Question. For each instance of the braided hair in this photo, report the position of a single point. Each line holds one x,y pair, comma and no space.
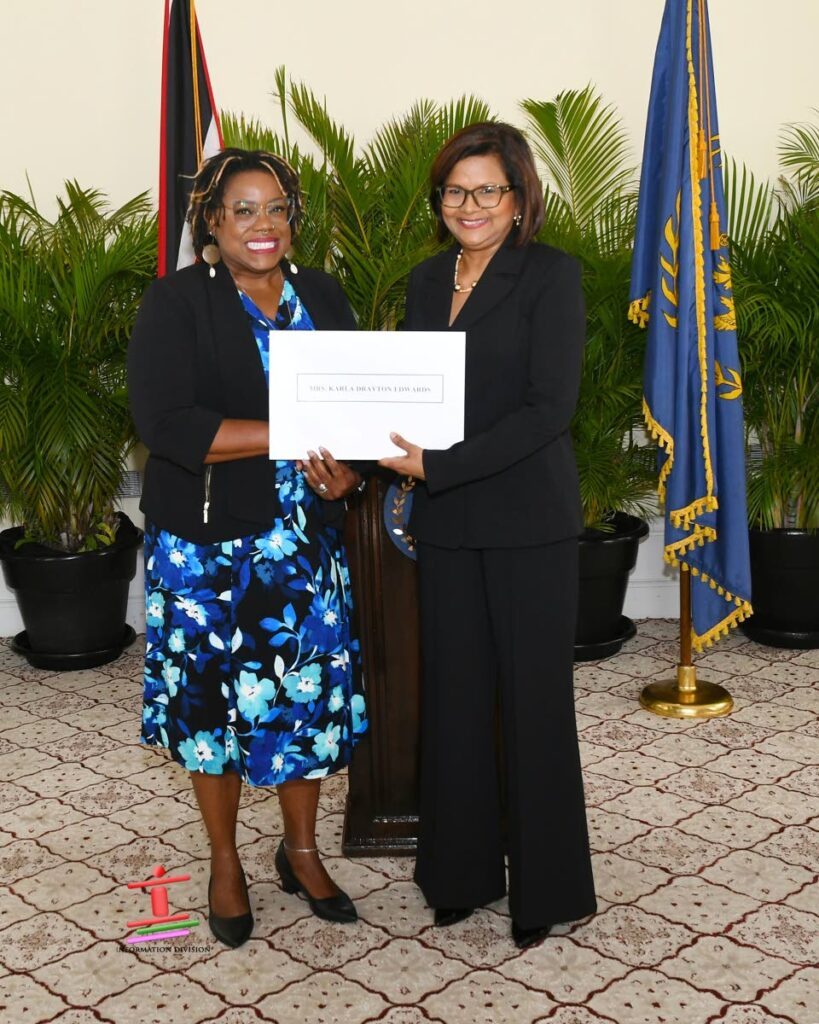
211,180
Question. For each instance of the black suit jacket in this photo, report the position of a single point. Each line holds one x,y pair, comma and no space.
192,362
512,482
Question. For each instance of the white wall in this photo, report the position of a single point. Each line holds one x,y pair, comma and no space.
80,80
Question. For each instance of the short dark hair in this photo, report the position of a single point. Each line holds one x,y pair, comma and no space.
212,178
515,155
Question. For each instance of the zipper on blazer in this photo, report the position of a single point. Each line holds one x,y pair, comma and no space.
206,506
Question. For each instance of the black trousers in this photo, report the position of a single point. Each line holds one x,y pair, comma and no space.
500,622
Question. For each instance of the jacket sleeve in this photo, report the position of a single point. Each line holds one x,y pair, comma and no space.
557,330
162,381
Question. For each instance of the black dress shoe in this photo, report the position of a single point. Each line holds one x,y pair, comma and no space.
445,916
338,908
526,937
233,931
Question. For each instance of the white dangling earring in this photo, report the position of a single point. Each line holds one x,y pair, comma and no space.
211,256
516,220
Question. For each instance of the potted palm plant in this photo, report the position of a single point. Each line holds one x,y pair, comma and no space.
69,289
776,289
590,212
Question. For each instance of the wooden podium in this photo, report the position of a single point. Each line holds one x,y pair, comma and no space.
382,804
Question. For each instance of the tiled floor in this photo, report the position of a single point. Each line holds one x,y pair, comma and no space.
706,840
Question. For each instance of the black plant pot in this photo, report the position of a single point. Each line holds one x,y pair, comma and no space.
73,606
784,588
606,559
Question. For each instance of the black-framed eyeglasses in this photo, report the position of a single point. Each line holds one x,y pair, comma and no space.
248,211
487,197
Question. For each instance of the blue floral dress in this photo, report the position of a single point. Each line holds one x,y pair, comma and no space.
250,663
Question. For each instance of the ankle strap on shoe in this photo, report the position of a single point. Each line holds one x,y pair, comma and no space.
299,849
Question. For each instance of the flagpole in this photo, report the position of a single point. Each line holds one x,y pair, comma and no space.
686,696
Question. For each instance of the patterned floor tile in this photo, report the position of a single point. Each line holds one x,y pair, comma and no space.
699,904
24,859
634,767
106,796
485,997
673,850
163,998
646,997
249,974
608,830
58,887
405,971
24,1001
634,936
620,880
86,977
397,907
793,747
619,735
322,998
726,968
727,825
795,845
565,970
39,940
701,828
755,765
652,806
793,934
323,945
781,804
405,1015
807,898
748,1014
777,715
86,839
767,879
13,909
795,997
61,780
483,940
709,787
17,763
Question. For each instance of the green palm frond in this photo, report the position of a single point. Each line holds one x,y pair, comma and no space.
69,291
584,147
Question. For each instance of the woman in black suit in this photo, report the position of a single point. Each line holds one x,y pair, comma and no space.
496,519
251,672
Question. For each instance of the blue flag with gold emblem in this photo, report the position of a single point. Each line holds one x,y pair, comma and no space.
681,293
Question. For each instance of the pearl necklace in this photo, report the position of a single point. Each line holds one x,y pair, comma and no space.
459,287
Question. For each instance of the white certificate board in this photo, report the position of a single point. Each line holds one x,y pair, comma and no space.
347,390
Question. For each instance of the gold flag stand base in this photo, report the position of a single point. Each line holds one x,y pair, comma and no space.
685,697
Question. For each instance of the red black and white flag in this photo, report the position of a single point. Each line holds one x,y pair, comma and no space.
190,129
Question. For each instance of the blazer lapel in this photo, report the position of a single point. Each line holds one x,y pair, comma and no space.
237,352
495,283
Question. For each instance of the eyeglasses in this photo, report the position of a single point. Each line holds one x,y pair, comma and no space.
247,211
487,197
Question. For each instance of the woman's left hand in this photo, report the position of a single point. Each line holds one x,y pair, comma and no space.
329,479
411,464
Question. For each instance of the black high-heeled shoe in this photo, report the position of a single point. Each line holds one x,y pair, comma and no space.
337,908
232,931
445,916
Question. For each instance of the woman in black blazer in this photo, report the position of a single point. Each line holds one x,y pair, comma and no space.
251,672
496,519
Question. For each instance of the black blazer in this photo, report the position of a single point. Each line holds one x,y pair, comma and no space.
193,361
513,481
